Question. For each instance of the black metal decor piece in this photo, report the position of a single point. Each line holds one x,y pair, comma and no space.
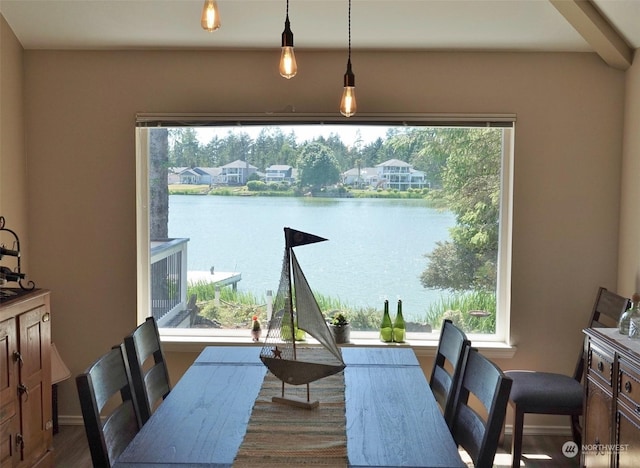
7,274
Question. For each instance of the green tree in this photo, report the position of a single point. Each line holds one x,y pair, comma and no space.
186,147
318,166
471,188
426,149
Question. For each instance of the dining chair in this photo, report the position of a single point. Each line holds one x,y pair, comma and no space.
447,367
149,372
477,429
110,421
536,392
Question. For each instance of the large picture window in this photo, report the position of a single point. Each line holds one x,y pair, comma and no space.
414,209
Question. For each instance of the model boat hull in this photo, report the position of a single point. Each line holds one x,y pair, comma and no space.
299,372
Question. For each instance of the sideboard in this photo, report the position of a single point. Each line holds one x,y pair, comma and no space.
26,424
611,435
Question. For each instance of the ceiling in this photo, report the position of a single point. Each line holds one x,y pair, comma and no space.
493,25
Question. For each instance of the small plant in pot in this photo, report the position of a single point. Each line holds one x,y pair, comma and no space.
340,328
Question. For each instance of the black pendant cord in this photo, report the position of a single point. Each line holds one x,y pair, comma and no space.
349,23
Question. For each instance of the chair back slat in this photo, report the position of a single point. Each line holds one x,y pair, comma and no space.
607,309
447,367
149,371
110,422
120,429
478,435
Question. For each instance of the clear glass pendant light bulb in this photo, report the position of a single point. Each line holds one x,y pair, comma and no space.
348,104
210,16
288,66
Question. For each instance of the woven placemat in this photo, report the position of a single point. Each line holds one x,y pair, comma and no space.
282,435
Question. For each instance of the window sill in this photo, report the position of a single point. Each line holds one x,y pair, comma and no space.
194,341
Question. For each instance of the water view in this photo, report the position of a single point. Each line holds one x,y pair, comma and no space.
375,249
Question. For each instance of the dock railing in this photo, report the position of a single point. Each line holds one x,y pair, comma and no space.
168,280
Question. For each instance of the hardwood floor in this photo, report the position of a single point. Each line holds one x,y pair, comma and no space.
70,448
72,451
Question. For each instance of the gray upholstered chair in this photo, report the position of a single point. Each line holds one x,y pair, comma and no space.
550,393
447,367
476,429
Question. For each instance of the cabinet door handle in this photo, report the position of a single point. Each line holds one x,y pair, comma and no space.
18,357
627,386
19,441
23,390
600,366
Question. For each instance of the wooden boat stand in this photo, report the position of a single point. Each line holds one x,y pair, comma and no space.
297,402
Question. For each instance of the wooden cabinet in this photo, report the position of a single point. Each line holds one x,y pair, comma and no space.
598,432
612,400
25,380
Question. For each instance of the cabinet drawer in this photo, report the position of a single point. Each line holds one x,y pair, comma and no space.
600,364
629,385
8,411
8,454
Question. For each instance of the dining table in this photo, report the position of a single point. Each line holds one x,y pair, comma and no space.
392,417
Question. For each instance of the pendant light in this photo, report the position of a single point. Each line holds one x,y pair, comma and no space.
210,16
288,65
348,103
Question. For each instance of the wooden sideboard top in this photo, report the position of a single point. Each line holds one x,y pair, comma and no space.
619,342
16,294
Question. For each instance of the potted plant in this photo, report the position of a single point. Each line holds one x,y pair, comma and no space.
340,328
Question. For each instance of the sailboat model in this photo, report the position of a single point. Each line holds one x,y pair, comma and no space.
296,311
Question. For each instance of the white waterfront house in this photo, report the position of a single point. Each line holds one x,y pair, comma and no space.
391,174
279,173
237,172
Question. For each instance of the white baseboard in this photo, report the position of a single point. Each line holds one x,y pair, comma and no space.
541,430
67,420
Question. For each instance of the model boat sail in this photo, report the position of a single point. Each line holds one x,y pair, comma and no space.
296,311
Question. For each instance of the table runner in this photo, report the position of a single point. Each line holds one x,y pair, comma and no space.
283,435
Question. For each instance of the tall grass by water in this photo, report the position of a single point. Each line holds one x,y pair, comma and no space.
236,309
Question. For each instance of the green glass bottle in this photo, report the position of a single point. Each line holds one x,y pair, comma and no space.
386,328
399,331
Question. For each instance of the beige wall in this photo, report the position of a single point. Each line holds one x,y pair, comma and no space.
629,269
13,161
79,115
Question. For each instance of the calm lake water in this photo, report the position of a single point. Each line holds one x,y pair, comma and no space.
375,249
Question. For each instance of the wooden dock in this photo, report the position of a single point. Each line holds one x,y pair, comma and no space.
219,278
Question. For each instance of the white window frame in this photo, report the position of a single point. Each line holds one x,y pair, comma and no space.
195,339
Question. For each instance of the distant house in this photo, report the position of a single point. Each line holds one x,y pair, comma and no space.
279,173
194,175
236,172
400,175
391,174
208,175
173,174
363,177
188,176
